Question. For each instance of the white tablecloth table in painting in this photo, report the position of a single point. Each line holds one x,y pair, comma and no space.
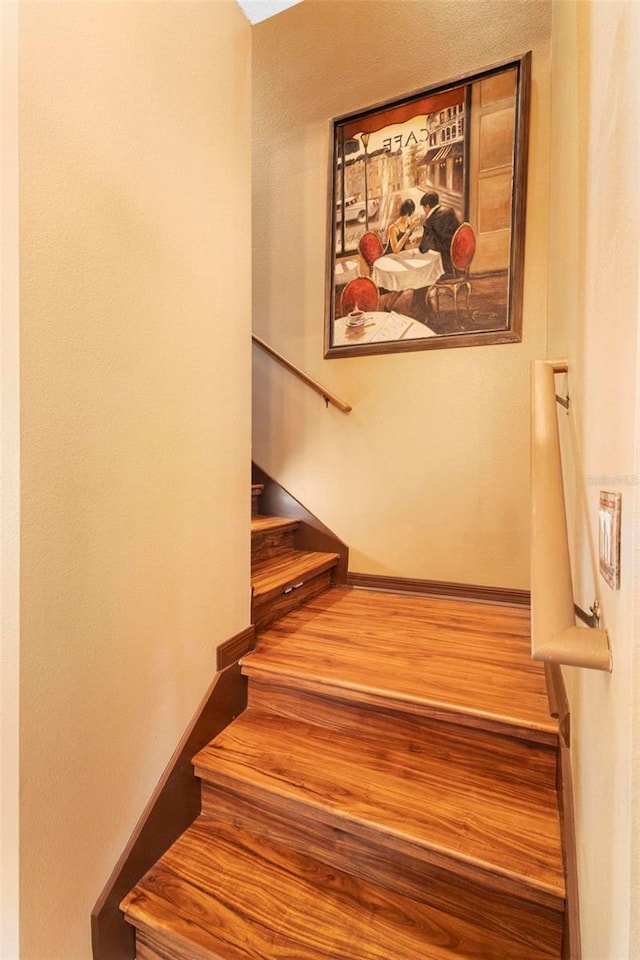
407,271
345,271
379,327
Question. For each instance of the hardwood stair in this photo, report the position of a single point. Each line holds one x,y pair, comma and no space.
235,896
389,794
283,577
256,490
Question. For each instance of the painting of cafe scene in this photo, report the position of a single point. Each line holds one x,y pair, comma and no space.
427,207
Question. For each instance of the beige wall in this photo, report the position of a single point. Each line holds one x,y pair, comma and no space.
135,259
428,476
10,471
134,166
593,320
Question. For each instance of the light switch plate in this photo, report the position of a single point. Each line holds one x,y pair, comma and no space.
609,537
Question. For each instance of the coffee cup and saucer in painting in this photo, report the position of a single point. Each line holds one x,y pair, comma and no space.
356,319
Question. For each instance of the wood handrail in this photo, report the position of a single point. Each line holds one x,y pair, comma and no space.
326,394
555,637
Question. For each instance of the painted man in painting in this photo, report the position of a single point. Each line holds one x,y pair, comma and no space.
439,227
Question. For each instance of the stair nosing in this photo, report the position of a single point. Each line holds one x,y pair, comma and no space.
173,937
279,523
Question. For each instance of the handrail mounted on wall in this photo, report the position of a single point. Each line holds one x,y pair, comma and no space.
555,637
329,398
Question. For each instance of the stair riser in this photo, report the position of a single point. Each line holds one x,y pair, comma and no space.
320,821
519,761
271,544
381,701
487,905
266,610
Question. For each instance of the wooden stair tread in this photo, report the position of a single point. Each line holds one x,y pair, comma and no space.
272,575
454,814
223,894
427,655
518,759
260,524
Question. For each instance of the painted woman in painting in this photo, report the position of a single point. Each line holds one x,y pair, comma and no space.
400,230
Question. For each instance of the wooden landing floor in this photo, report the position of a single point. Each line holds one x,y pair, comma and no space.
437,654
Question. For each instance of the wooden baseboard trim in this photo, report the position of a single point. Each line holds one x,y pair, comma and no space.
174,805
559,703
233,649
571,945
441,588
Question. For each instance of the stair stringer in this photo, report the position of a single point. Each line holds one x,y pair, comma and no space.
312,534
559,703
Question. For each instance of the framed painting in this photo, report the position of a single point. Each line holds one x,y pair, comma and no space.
427,217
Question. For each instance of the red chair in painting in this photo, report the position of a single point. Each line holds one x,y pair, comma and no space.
463,248
359,294
370,247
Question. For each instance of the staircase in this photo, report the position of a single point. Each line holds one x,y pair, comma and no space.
282,577
389,794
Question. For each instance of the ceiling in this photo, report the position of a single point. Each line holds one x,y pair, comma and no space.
257,10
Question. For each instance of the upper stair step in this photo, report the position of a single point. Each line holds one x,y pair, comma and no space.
446,659
271,577
282,583
225,894
260,524
256,490
271,536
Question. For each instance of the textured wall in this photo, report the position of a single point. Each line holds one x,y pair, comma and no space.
593,320
135,258
10,468
428,476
